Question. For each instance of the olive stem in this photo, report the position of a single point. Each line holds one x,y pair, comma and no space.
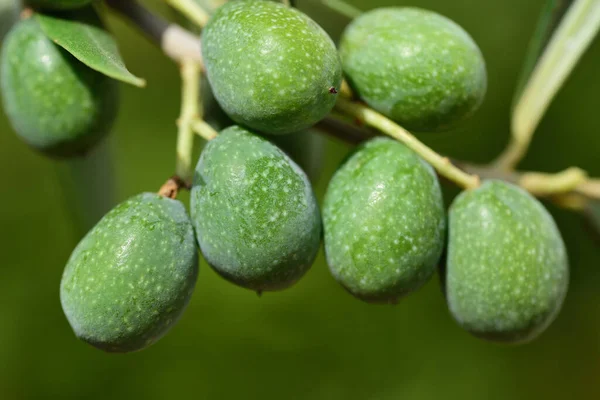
199,126
204,130
191,10
172,187
338,127
190,92
547,184
343,8
571,188
443,165
180,44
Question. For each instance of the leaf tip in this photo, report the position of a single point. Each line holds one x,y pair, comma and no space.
139,82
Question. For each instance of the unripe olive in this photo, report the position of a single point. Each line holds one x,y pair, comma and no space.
271,67
306,148
507,269
384,222
415,66
58,4
256,217
130,278
55,103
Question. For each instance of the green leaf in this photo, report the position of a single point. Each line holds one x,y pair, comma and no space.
567,44
550,17
83,35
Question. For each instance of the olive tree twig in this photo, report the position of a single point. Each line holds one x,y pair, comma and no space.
190,85
570,188
172,187
442,164
337,127
176,42
203,129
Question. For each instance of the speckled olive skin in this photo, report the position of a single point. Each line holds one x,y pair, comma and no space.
270,66
415,66
55,103
384,222
256,217
306,148
58,4
507,269
130,278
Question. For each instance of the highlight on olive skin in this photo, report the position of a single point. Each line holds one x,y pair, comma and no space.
270,66
415,66
507,270
131,277
384,222
263,231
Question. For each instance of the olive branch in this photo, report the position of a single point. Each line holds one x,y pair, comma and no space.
571,188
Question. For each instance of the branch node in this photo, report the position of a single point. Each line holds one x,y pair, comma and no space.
172,187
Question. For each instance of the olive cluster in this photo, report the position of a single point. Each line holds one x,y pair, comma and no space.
253,212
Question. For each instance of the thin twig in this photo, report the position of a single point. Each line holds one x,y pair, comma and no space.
180,44
372,118
566,188
203,129
338,128
172,187
570,188
552,184
175,42
190,82
149,23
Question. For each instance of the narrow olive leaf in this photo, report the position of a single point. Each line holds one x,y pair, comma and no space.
90,43
567,44
550,17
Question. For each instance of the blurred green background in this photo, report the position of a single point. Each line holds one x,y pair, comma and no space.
313,341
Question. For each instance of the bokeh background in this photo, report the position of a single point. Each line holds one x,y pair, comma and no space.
313,341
